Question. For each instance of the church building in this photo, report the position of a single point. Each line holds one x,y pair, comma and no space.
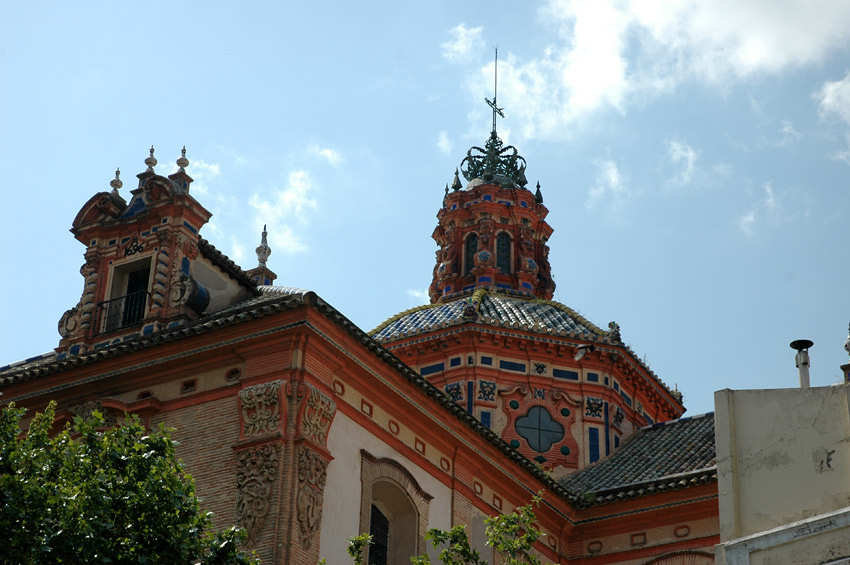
305,430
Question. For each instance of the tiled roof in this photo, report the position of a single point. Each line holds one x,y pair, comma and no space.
665,456
267,289
31,361
489,308
15,370
507,309
48,363
259,307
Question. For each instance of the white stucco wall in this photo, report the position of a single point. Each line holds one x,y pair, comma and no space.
341,510
783,456
223,290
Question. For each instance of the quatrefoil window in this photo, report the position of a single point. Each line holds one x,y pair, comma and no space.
539,429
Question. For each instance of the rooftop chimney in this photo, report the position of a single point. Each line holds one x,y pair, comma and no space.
802,359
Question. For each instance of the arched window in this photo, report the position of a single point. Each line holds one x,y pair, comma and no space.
503,253
394,509
470,249
379,529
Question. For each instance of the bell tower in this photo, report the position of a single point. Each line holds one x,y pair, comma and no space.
147,268
493,232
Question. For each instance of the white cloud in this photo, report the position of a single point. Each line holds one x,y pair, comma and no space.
610,52
743,37
755,106
279,207
682,154
465,41
202,172
746,222
333,156
419,296
237,250
834,99
444,144
789,134
764,210
722,169
609,188
834,102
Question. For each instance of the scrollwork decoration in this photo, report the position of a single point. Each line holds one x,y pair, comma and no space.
69,323
255,473
260,408
87,409
312,473
318,415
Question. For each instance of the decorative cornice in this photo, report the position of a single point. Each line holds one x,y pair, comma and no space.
258,308
251,309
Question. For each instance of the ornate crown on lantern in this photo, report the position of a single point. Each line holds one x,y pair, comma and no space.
494,161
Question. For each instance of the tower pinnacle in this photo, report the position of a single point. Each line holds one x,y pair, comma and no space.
261,274
263,251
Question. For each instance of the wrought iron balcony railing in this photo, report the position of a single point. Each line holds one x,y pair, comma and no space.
121,312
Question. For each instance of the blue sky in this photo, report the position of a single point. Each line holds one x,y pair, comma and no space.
694,156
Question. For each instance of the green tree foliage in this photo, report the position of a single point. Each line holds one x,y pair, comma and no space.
512,535
91,494
454,548
357,545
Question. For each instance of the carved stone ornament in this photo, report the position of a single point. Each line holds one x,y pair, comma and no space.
593,407
256,469
181,290
69,322
312,472
87,409
260,408
190,250
92,261
318,416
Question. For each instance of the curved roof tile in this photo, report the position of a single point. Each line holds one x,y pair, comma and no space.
674,452
492,308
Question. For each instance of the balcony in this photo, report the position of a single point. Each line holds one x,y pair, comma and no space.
123,312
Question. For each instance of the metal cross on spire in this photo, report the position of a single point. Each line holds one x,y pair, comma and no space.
494,163
496,109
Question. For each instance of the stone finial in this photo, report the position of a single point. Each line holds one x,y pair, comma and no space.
538,196
183,162
263,251
456,185
151,161
847,343
116,182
